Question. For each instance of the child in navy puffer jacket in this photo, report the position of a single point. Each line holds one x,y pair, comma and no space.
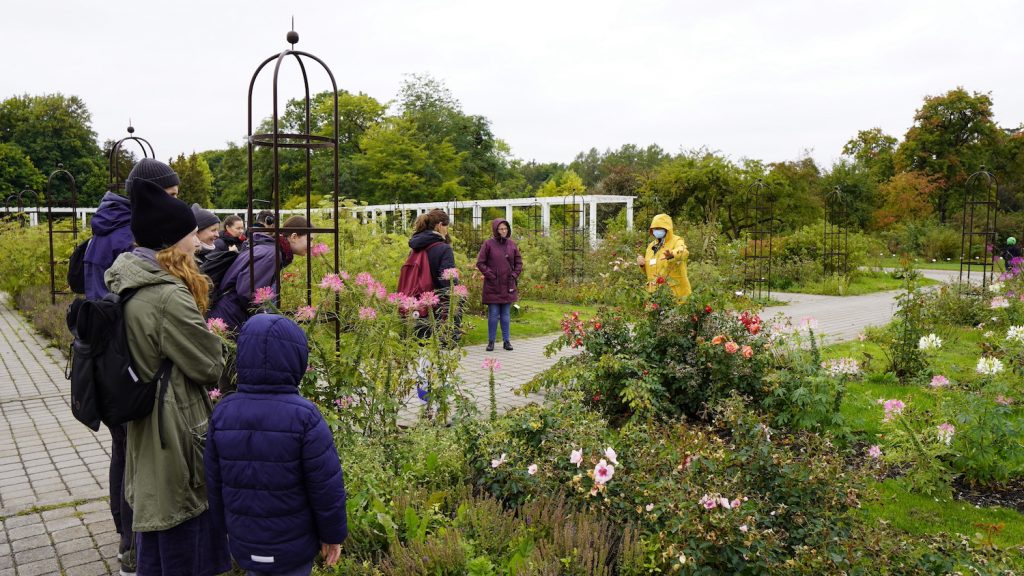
274,479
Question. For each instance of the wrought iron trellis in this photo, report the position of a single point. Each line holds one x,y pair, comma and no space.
836,252
535,219
59,173
308,142
757,255
17,200
115,182
978,228
573,237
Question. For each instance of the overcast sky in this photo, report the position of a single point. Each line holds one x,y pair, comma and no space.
764,80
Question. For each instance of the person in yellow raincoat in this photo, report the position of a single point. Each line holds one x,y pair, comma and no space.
665,260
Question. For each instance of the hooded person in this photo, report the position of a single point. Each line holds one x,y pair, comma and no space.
164,481
665,259
274,480
111,233
501,264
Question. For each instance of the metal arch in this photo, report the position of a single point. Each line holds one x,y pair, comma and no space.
977,232
49,197
573,237
116,183
836,249
308,142
19,202
757,256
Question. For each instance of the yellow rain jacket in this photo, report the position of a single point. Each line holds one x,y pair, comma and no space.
672,270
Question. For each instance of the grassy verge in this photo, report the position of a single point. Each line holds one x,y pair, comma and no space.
891,500
922,263
534,318
862,283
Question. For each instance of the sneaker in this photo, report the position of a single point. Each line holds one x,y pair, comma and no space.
507,345
127,559
490,346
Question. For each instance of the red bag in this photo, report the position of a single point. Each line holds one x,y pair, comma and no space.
415,279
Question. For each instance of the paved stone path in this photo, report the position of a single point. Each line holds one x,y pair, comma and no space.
54,516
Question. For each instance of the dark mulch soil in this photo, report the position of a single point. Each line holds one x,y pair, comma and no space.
1010,495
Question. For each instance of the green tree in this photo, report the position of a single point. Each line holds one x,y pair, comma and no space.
952,136
55,129
230,177
858,188
796,188
439,118
695,185
17,172
398,166
876,151
904,197
196,179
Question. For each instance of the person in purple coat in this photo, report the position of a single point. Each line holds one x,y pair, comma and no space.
501,264
274,481
235,305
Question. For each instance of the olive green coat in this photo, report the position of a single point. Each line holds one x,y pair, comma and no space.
166,486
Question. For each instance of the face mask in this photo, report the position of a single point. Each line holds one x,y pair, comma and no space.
660,233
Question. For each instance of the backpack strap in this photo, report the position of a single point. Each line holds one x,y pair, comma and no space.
164,376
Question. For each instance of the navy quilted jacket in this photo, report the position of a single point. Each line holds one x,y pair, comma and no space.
273,476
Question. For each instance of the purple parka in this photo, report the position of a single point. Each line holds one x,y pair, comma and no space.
501,264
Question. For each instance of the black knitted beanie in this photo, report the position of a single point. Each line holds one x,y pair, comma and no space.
158,219
153,170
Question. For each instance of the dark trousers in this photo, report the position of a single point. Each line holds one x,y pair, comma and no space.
192,548
119,508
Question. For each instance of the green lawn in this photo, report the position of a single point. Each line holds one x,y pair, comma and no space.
921,262
534,318
862,283
890,500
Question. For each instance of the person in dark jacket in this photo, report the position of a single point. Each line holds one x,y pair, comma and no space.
233,235
111,236
274,481
501,264
208,224
237,300
430,233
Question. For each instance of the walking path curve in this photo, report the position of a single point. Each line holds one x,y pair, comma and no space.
54,517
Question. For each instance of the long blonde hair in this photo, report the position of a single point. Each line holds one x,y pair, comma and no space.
183,266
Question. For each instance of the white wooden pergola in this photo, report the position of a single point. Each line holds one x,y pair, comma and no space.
586,204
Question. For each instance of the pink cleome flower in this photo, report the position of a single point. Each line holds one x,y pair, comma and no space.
429,299
893,408
319,249
875,452
450,274
305,313
214,394
1004,400
461,291
217,326
367,313
364,279
492,364
939,381
332,282
264,295
945,433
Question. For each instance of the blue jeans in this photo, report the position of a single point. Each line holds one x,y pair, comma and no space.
494,313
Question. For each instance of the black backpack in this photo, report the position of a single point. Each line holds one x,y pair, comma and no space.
218,263
104,386
76,268
215,266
